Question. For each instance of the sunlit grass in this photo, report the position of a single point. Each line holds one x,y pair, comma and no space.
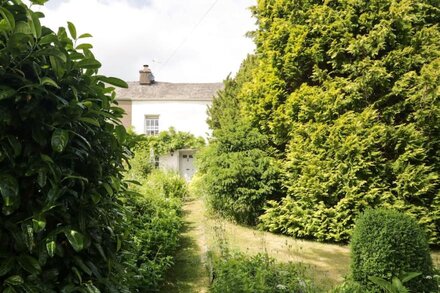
327,263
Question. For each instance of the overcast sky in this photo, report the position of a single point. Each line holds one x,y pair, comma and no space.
181,40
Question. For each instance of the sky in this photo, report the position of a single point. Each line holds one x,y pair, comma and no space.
181,40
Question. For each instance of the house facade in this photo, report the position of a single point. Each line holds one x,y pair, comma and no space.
152,107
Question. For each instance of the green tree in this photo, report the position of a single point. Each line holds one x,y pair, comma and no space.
238,167
61,158
346,95
350,89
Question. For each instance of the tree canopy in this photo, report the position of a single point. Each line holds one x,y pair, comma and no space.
347,94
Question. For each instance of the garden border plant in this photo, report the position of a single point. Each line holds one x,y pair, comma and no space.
61,154
387,244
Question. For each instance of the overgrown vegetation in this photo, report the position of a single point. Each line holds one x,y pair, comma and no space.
61,159
344,96
151,226
150,148
233,271
172,140
237,272
69,222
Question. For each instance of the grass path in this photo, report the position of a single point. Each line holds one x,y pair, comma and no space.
189,273
328,263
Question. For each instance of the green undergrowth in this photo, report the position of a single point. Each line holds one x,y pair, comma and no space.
153,222
238,272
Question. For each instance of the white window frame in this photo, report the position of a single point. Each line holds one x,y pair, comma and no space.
151,124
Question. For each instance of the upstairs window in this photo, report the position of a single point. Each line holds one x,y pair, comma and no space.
151,125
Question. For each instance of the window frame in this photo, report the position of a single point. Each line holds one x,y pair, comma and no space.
152,128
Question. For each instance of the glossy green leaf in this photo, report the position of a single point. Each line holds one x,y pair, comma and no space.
79,262
118,243
120,133
49,81
47,39
9,189
42,177
35,25
4,25
6,92
22,27
57,66
15,280
101,251
84,46
8,17
60,138
96,197
28,235
89,64
76,239
39,2
52,52
51,246
72,30
409,276
108,188
29,263
90,121
114,81
86,35
78,276
38,223
90,288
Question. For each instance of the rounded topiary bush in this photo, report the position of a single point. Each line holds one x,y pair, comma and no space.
386,243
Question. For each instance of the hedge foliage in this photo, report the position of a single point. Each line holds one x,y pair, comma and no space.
151,227
239,173
62,150
346,93
387,244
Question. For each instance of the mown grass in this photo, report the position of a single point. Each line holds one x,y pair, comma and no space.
189,273
327,263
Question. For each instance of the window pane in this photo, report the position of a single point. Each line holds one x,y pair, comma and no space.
151,125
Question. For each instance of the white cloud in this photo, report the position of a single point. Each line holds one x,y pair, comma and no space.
130,33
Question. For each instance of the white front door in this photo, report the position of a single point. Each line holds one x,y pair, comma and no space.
187,168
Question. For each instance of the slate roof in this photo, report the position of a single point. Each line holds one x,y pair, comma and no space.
166,91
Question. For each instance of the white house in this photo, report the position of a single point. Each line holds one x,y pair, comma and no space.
152,107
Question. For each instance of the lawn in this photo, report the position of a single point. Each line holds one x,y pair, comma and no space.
327,263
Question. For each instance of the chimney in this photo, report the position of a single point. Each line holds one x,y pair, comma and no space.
146,76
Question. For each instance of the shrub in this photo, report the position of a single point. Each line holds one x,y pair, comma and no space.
152,225
387,243
260,273
61,159
346,93
168,184
240,176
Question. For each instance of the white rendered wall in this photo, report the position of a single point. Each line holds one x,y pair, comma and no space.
168,162
189,116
